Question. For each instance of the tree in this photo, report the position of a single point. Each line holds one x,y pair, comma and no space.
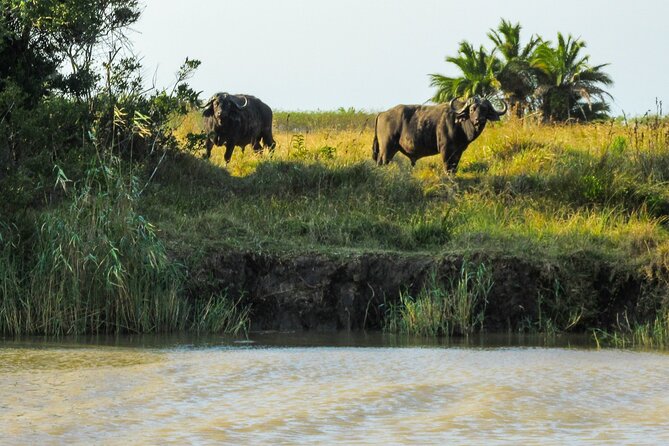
38,36
27,53
516,76
478,69
569,88
558,81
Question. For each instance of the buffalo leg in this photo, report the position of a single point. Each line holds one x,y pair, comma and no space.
268,140
256,146
454,161
208,146
387,153
450,156
228,153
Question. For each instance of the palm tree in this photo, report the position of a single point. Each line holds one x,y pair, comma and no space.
478,69
569,88
516,77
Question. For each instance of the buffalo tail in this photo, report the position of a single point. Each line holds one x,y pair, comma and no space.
375,144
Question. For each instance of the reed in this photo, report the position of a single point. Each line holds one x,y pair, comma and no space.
650,334
12,298
458,309
221,314
100,266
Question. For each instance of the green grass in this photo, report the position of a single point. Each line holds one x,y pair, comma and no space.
338,120
520,186
220,314
572,197
439,310
650,334
12,297
98,266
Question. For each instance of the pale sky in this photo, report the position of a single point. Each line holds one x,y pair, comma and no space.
373,54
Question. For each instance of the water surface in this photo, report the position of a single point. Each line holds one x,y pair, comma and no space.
328,390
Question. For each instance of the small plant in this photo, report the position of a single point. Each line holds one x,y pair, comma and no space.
554,313
650,334
428,230
618,146
438,311
327,152
592,187
221,314
298,146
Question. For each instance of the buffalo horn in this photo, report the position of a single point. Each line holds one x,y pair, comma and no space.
210,101
506,107
464,107
235,100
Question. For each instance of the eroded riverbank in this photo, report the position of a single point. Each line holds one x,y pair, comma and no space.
343,292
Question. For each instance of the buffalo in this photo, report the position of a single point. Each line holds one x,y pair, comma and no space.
237,120
424,130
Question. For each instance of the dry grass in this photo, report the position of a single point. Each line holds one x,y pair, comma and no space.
551,194
522,184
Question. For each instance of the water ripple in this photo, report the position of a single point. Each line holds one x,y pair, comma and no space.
333,396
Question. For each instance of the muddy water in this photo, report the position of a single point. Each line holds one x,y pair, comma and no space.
299,391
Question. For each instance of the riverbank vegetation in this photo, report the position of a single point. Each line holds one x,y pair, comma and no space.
438,310
110,219
573,198
76,255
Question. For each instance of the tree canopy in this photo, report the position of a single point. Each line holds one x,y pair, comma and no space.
51,44
71,88
555,80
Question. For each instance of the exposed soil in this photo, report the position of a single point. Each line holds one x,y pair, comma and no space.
319,292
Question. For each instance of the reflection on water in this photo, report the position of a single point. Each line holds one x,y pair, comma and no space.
343,389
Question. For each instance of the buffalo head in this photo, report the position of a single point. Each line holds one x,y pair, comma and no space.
222,105
478,111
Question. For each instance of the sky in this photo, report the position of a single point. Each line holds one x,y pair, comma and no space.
374,54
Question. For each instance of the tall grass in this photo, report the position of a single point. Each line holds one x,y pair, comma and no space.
650,334
12,297
458,309
521,188
221,314
98,266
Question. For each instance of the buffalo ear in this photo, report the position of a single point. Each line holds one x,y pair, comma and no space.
208,111
492,116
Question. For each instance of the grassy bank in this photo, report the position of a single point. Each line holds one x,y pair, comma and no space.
570,197
574,200
521,188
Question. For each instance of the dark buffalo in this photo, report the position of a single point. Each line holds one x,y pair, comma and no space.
237,120
422,130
